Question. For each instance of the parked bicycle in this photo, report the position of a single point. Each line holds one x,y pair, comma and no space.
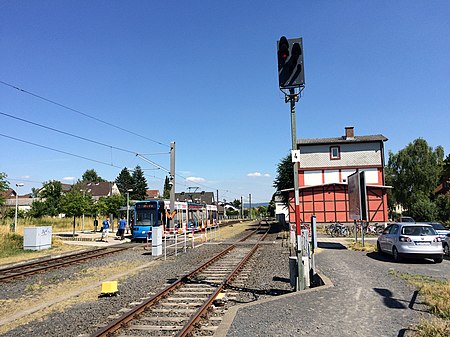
339,230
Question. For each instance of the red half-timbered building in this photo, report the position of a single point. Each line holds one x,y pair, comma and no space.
324,167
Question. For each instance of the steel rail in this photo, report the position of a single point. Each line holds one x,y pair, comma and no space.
122,321
55,263
196,317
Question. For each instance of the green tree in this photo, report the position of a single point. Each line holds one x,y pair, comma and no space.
446,168
110,205
38,209
91,176
236,203
75,203
414,174
139,184
166,193
52,193
124,181
285,176
443,208
4,185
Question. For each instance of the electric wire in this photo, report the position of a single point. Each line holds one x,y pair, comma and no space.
60,151
82,138
66,133
80,112
89,140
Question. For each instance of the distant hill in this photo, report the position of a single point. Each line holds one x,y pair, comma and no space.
257,204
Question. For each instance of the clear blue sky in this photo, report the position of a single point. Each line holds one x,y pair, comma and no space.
204,74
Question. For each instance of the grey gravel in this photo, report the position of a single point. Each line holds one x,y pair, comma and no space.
84,319
366,299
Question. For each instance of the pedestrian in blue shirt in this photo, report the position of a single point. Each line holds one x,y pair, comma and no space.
121,230
105,229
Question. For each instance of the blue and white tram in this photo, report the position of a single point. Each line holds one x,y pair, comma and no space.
147,213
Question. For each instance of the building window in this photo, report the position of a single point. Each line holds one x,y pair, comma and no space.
335,153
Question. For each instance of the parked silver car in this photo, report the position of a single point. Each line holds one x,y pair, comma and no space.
440,229
411,240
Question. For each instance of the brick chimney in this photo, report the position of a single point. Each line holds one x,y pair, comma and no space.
349,132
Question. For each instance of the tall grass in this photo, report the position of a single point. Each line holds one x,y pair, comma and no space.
436,294
10,244
58,224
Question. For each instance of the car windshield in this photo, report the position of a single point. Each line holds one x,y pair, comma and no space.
418,230
438,226
406,219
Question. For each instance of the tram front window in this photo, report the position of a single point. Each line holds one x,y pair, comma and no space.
146,218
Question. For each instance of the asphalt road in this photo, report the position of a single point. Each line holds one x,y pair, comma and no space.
366,299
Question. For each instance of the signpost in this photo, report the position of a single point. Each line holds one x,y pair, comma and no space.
357,199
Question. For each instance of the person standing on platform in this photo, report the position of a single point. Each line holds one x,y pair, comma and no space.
105,229
122,225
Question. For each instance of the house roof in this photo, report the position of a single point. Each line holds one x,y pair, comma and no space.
343,139
152,194
9,193
98,189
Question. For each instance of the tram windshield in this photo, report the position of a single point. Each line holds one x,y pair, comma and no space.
146,217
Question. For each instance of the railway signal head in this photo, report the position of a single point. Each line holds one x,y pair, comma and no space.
283,52
290,63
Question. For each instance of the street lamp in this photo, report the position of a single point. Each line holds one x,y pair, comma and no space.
17,204
128,206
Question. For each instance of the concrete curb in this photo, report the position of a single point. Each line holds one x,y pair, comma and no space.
230,315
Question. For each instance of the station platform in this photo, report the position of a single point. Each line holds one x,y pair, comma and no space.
90,238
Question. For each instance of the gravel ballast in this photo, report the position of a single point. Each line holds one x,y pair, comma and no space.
85,317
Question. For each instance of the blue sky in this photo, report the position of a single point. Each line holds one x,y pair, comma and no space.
204,74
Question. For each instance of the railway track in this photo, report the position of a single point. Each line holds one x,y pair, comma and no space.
178,309
26,269
22,270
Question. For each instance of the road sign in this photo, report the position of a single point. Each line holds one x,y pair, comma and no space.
295,155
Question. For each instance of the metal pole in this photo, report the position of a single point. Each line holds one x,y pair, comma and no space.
15,216
250,202
17,205
165,245
300,281
185,239
128,208
176,249
172,179
82,221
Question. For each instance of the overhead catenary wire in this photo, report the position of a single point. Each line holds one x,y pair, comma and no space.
82,138
60,151
86,139
80,112
66,133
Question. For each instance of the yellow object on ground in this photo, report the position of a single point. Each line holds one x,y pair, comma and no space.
220,296
109,287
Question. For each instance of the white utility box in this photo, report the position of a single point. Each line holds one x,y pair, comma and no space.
37,238
157,234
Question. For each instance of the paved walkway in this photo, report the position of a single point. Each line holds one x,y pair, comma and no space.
361,298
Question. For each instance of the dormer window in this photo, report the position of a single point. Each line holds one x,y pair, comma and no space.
335,153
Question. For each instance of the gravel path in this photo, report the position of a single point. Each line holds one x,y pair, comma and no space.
366,300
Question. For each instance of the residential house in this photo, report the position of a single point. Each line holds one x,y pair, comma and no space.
100,189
